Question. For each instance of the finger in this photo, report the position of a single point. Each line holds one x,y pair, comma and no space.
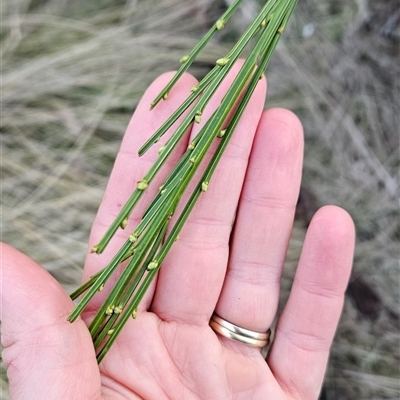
305,330
190,280
43,352
250,294
129,168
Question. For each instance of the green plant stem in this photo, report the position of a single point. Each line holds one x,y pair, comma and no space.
144,246
99,336
217,156
194,53
82,289
103,277
225,107
180,110
209,91
140,252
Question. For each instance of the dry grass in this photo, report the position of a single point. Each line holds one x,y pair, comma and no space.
74,71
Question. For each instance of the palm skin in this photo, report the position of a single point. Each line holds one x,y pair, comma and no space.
229,259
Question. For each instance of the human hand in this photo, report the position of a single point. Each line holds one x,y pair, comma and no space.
222,263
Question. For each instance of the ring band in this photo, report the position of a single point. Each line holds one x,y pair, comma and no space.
241,335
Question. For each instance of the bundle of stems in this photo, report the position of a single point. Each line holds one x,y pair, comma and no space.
147,246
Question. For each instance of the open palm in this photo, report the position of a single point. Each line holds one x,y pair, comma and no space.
229,258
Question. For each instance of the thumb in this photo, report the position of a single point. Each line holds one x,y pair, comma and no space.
46,356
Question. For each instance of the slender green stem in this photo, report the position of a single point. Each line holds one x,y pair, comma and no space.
162,199
133,305
188,60
126,276
181,109
103,277
203,145
209,91
144,245
225,140
175,175
98,339
82,289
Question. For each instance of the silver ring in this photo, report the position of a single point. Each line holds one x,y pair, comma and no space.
239,334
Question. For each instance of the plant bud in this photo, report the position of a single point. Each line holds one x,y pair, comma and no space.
263,24
133,238
220,24
110,310
94,249
142,185
118,310
221,133
152,265
222,61
124,223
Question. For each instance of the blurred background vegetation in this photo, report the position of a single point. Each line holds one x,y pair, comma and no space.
73,72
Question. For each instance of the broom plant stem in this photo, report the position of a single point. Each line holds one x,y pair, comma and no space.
209,91
103,277
144,247
188,60
204,143
180,110
82,289
140,252
100,336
